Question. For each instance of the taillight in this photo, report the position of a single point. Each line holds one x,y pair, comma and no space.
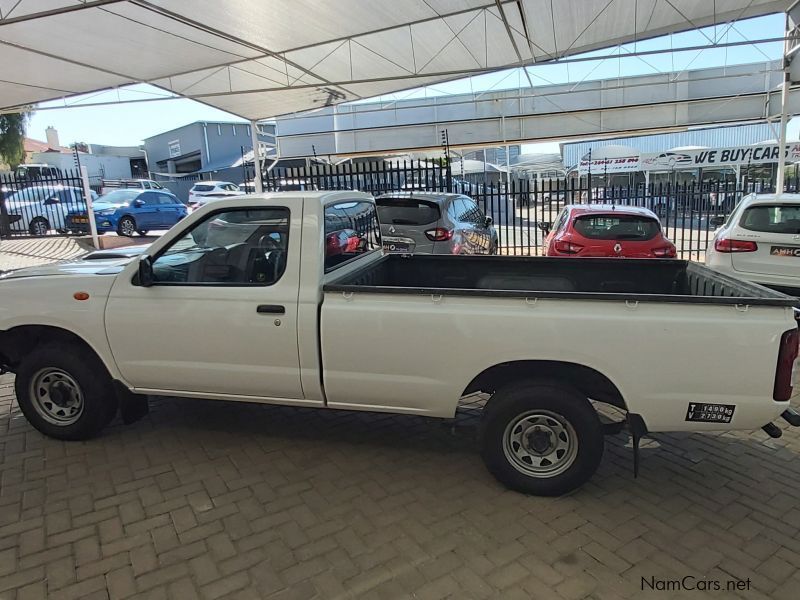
722,244
784,375
439,234
665,252
566,247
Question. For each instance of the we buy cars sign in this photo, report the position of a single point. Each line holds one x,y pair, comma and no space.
691,159
718,157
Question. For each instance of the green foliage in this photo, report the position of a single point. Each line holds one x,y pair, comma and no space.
12,136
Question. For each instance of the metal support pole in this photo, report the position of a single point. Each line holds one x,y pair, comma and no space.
781,176
87,196
256,157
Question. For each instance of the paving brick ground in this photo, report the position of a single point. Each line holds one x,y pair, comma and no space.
27,252
222,500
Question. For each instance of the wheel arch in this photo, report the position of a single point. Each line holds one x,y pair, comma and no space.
589,381
17,342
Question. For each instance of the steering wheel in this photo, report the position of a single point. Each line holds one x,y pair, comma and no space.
267,242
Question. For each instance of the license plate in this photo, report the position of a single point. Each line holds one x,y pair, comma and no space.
785,251
80,219
397,247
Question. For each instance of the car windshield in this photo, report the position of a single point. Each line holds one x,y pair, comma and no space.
119,196
203,188
407,211
772,218
616,227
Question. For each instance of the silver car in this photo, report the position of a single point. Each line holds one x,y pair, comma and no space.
434,223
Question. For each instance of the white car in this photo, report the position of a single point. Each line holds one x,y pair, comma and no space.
760,241
207,191
39,209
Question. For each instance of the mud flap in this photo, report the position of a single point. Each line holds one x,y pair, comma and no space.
132,407
638,431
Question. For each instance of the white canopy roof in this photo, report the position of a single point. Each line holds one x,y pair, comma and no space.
259,59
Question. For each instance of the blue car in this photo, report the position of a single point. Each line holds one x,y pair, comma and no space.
130,211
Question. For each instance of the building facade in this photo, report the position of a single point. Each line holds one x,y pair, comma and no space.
204,149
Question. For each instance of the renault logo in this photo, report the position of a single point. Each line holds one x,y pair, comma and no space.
392,229
617,248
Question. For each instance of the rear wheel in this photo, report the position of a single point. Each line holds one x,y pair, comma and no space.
39,226
542,438
65,391
126,226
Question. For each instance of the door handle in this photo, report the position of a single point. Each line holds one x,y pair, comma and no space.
271,309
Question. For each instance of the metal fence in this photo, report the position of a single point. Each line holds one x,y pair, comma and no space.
689,212
38,206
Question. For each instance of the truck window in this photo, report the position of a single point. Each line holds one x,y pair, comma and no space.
351,229
235,247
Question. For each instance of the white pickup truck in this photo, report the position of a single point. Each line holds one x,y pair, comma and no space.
288,299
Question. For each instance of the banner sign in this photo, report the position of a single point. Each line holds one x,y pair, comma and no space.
692,159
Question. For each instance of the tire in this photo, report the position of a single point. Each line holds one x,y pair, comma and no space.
142,232
570,438
39,226
126,226
65,392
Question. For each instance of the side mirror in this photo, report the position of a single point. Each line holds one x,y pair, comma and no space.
138,203
145,271
489,221
716,221
545,226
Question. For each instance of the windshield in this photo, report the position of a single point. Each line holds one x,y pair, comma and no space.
405,211
616,227
203,188
772,218
119,196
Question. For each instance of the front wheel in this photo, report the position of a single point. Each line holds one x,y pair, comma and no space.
65,392
126,226
542,438
39,226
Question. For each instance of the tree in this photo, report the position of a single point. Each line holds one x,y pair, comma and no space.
12,137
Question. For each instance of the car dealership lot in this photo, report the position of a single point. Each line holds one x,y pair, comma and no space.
210,498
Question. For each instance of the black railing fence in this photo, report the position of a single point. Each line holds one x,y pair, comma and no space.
689,212
38,206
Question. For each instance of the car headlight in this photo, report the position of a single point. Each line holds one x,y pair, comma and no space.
106,212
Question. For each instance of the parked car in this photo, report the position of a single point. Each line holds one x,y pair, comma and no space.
607,230
39,209
207,191
228,305
295,185
130,211
760,242
434,223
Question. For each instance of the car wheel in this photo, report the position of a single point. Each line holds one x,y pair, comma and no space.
142,231
126,226
541,437
39,226
65,392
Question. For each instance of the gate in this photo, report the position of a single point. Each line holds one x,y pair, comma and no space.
38,205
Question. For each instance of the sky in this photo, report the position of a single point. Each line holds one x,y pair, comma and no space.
129,124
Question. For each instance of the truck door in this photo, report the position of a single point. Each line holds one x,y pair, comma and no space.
221,315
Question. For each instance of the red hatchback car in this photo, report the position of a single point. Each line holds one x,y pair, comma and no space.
610,231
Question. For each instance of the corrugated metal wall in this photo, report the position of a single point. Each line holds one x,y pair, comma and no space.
737,135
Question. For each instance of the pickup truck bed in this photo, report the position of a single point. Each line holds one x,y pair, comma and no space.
656,280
